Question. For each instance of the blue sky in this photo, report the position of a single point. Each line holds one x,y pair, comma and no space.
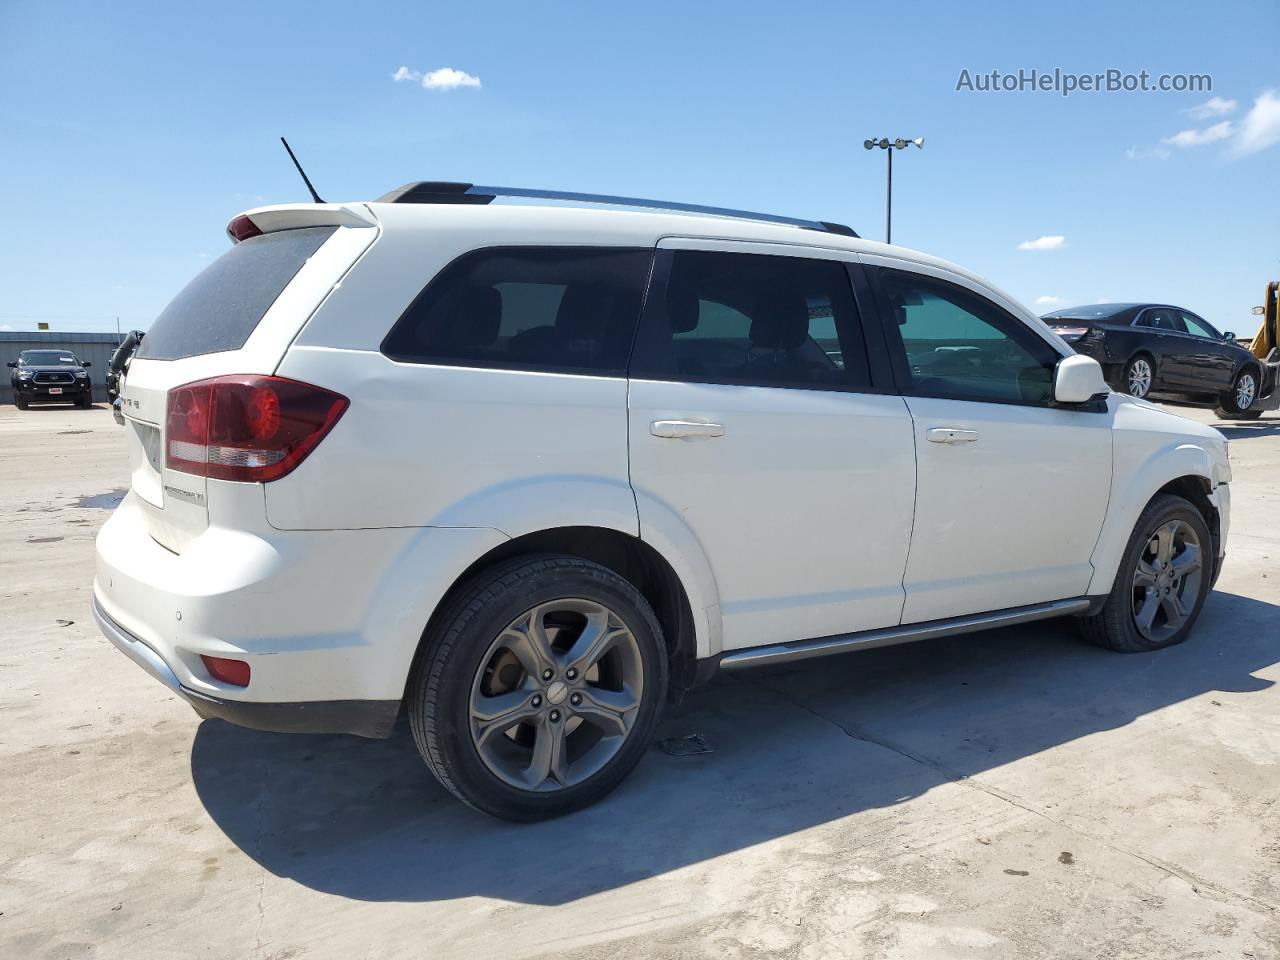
133,132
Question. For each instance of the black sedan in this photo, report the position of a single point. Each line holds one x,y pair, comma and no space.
50,375
1162,351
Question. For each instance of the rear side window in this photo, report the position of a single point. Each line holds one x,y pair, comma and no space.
566,309
753,319
221,307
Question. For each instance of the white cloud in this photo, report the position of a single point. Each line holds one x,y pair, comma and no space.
1044,243
1049,301
1213,107
445,78
1198,138
1260,127
1147,153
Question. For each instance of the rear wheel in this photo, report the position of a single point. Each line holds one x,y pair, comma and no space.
1138,376
540,690
1162,582
1235,403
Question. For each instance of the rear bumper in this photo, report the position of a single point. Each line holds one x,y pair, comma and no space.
363,718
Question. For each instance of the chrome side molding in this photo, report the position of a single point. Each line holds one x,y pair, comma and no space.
868,639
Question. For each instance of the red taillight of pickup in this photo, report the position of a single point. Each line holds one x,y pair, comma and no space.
246,427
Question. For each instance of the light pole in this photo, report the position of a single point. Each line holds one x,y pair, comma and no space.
888,146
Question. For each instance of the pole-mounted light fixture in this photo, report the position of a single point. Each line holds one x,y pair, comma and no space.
888,146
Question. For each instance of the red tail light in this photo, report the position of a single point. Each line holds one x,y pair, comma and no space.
246,427
234,672
242,228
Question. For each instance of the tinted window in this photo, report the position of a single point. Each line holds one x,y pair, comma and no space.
220,308
48,358
1161,319
753,319
1198,327
531,308
961,346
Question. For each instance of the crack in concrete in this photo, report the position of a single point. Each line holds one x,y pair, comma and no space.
1198,885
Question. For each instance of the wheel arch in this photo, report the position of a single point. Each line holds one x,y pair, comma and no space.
677,604
1185,470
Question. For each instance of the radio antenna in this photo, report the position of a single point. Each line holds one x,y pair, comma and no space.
302,173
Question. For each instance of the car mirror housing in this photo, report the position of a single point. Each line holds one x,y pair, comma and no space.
1078,379
1229,335
12,363
87,363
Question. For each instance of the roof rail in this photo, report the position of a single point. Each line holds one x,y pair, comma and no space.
429,191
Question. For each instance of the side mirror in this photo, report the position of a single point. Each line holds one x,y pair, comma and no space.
1078,380
1228,336
12,363
87,363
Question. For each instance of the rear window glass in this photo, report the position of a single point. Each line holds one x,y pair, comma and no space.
220,308
570,309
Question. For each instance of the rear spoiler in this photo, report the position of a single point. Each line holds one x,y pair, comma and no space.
291,217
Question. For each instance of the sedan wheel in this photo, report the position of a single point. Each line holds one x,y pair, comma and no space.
1246,390
1138,378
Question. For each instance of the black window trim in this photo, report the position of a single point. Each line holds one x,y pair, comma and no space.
881,381
417,360
897,356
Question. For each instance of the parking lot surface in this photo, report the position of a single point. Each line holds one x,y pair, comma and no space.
1014,793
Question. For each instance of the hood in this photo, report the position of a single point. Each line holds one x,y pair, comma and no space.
50,368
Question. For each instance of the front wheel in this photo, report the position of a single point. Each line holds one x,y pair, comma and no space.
1162,582
1235,403
539,690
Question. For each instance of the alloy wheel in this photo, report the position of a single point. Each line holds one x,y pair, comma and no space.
1139,379
556,695
1166,580
1245,390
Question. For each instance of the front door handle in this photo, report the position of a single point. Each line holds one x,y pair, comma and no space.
685,429
951,435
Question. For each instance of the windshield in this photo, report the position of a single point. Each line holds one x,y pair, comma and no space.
47,358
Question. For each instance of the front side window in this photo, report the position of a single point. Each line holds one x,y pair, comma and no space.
961,346
1197,327
569,309
753,319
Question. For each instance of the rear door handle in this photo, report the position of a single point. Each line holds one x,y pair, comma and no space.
685,429
951,435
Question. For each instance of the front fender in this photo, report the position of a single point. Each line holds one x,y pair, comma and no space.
1139,474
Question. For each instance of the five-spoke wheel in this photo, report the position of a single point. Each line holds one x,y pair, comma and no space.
1162,583
538,691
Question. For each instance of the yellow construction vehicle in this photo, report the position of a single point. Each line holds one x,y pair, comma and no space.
1266,347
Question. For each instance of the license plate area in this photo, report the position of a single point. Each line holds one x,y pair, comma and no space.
54,391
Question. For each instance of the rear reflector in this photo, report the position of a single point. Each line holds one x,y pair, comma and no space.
242,228
234,672
246,427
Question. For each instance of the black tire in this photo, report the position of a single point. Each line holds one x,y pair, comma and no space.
20,403
1113,627
1224,414
1126,378
85,402
1229,408
440,689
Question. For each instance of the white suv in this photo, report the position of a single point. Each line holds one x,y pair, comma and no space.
527,472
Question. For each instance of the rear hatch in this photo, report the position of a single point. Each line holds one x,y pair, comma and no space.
238,316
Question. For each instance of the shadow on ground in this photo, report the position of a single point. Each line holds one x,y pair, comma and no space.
365,819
